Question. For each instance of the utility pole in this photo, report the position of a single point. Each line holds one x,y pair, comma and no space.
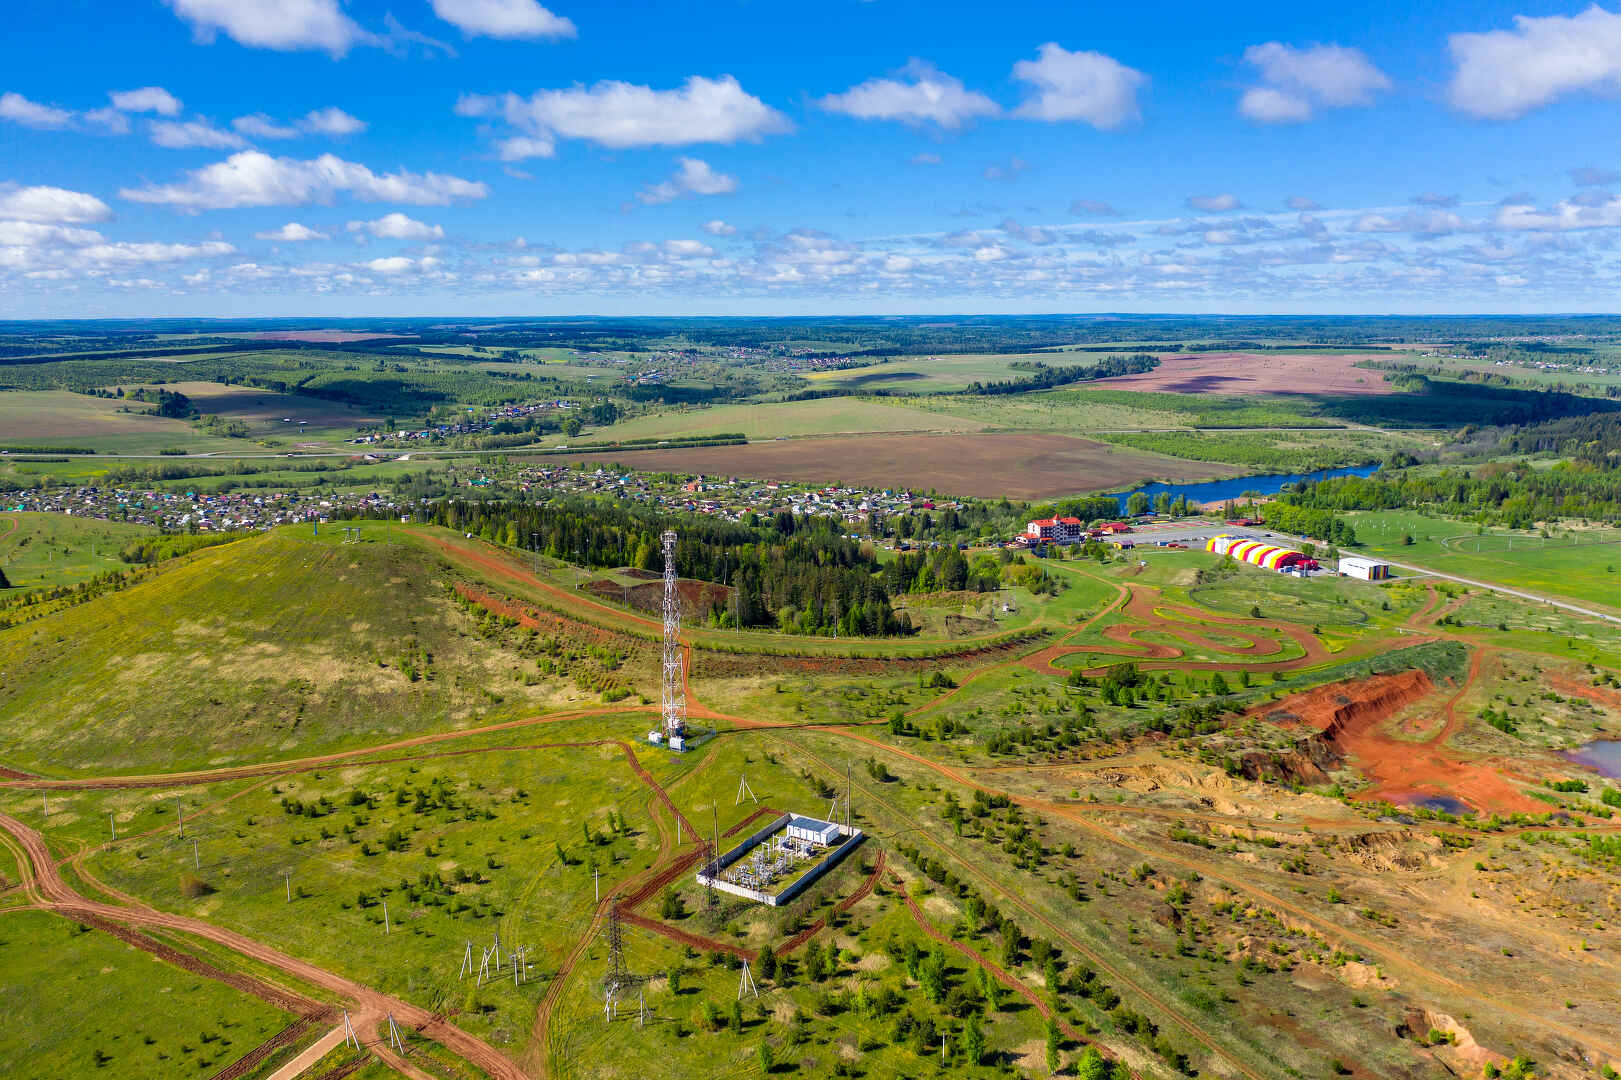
287,879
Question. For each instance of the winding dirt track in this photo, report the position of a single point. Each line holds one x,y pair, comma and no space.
54,894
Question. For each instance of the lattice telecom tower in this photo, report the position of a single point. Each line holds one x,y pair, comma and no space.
675,682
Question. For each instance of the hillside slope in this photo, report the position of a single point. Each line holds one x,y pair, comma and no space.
281,642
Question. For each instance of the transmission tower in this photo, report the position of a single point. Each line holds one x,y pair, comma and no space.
675,682
618,981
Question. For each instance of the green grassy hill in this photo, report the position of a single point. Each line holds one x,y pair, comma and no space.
282,643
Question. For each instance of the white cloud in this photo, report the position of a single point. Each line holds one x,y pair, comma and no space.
1502,74
926,159
1300,202
34,234
1269,105
1415,223
1565,215
292,233
273,24
51,204
620,115
1296,81
524,147
109,120
503,18
331,121
717,227
188,134
694,177
260,126
127,254
19,110
1214,204
152,99
1087,86
254,178
1588,176
925,96
397,226
393,264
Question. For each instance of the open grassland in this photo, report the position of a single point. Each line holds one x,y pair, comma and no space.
267,413
1579,564
822,416
46,418
263,645
1184,858
81,1003
1024,465
40,551
925,374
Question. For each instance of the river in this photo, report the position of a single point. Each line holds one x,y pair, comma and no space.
1223,490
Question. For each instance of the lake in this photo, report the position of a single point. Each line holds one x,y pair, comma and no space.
1603,756
1223,490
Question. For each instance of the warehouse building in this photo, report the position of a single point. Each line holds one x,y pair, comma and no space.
1266,556
1366,569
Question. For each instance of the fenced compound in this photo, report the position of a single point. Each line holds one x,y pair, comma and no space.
778,862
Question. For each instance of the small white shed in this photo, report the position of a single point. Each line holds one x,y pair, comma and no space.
813,831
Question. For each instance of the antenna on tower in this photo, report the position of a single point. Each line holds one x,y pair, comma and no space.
675,680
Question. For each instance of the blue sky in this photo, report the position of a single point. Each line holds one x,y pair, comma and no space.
459,157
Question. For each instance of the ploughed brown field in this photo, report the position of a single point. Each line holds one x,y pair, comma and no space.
1260,373
1021,465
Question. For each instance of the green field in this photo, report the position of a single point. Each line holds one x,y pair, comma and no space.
80,1003
50,418
822,416
39,551
1580,564
924,374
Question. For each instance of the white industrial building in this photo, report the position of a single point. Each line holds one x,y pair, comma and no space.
1366,569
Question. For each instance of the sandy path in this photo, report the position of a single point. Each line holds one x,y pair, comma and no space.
310,1055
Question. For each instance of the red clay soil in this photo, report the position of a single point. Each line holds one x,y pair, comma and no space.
1260,373
1347,718
533,618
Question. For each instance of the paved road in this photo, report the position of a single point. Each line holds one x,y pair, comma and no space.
1536,598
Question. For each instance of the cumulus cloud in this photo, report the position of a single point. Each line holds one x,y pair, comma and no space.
1296,81
292,233
19,110
922,95
1502,74
190,134
503,19
284,25
1092,208
254,178
717,227
147,99
1565,215
694,177
392,264
1214,204
51,204
620,115
1085,86
397,226
331,121
1414,223
260,126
